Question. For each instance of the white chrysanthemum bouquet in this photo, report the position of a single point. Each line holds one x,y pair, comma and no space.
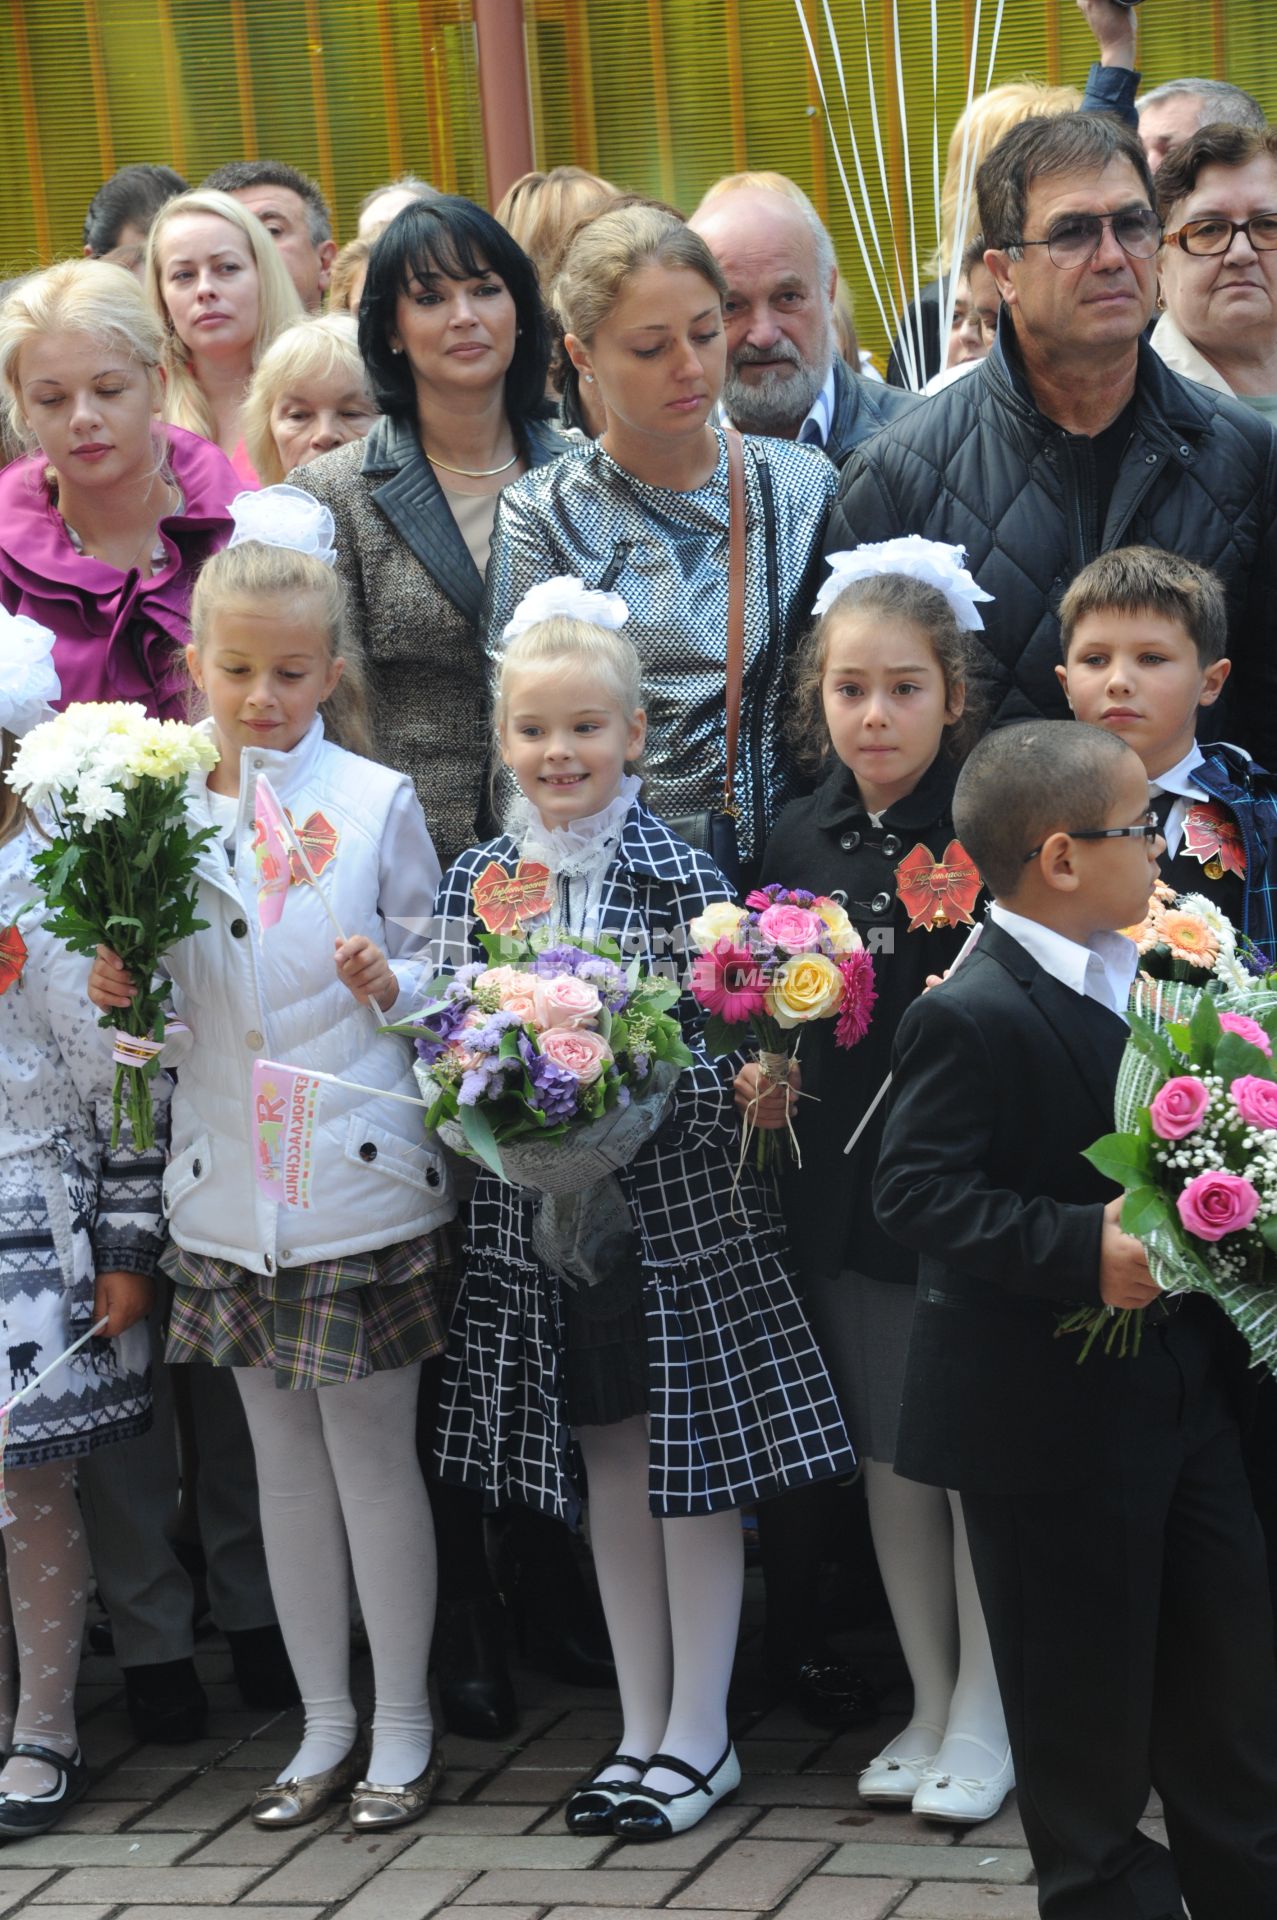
120,871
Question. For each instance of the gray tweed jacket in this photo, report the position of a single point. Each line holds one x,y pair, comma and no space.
415,595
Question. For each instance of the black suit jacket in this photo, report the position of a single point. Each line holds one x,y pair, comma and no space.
1002,1077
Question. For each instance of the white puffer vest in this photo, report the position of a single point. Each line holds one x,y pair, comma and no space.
378,1179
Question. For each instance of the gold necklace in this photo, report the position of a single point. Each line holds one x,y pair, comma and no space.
474,473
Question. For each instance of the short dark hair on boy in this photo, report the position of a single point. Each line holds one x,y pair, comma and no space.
1030,780
1135,580
235,175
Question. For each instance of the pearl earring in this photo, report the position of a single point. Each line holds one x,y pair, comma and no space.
589,379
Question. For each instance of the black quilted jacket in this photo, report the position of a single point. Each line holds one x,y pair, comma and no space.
978,465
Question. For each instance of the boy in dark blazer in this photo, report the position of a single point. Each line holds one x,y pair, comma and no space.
1115,1546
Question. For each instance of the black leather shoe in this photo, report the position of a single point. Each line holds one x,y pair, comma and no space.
469,1659
166,1702
824,1688
25,1814
558,1619
263,1671
589,1810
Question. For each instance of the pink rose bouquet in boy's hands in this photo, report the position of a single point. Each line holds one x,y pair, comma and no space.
1196,1146
768,969
120,871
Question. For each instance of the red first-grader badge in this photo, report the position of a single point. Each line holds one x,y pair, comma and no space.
1211,837
319,838
503,899
938,893
13,957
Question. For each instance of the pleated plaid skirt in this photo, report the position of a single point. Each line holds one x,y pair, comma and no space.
322,1325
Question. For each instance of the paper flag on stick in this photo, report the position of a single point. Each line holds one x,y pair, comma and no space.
284,1102
270,850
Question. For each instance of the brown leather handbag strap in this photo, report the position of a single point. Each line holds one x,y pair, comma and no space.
735,605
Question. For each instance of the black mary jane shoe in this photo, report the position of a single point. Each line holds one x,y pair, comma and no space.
591,1806
826,1690
650,1813
23,1815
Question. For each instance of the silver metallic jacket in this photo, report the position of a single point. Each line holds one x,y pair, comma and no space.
665,553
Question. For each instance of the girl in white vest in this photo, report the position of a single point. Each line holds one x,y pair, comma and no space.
326,1308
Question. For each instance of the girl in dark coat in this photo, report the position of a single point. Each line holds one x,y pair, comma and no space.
881,700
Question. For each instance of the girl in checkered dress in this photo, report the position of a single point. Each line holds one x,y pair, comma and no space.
327,1307
686,1383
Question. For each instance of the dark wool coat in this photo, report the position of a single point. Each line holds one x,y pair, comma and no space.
828,844
978,465
740,1403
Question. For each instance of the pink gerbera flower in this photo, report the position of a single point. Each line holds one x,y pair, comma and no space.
857,970
729,981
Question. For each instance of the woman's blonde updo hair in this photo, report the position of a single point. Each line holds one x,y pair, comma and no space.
77,296
277,300
540,209
313,349
604,255
251,572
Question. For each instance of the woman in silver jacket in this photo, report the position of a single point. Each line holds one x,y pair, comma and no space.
644,509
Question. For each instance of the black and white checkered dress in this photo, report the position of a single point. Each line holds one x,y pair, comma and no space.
739,1400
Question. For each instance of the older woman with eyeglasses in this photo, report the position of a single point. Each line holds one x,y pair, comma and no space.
1217,195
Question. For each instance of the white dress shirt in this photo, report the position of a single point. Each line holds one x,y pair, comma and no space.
1178,780
1103,969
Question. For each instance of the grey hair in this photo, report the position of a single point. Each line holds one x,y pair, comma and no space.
767,181
1221,101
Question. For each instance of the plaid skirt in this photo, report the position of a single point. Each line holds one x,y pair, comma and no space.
322,1325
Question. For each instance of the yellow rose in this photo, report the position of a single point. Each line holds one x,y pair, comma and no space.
721,921
841,931
808,987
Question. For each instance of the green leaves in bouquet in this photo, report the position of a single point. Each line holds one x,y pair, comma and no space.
1145,1208
1124,1157
719,1038
1146,1039
1235,1057
480,1138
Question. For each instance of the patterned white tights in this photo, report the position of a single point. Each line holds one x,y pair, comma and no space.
43,1591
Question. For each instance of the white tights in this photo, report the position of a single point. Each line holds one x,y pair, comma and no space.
338,1465
921,1544
43,1590
671,1592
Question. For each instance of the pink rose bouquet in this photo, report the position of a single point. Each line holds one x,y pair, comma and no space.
553,1047
1196,1146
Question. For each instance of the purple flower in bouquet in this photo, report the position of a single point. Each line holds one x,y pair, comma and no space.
555,1089
608,978
482,1078
564,959
445,1022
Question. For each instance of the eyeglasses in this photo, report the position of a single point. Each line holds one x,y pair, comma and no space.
1214,234
1076,239
1145,829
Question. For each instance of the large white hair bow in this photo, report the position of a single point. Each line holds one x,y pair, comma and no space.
931,561
570,598
28,681
285,517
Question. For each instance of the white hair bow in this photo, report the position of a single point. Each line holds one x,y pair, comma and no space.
570,598
285,517
28,681
930,561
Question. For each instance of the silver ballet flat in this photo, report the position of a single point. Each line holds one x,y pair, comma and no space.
292,1803
375,1808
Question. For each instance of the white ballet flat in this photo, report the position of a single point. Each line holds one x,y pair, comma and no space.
649,1813
891,1780
967,1800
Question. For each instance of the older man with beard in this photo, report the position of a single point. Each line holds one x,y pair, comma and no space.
785,376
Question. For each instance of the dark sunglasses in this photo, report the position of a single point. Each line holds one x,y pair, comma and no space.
1076,238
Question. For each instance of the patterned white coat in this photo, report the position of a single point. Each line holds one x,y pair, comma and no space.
69,1206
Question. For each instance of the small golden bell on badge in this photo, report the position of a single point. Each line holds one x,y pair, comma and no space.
939,918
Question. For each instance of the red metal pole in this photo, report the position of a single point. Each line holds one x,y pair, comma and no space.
505,100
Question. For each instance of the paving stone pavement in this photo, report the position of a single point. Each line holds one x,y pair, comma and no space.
164,1833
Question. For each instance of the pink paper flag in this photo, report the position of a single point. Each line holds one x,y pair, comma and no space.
284,1102
270,850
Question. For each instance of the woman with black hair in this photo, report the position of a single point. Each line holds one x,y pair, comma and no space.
454,336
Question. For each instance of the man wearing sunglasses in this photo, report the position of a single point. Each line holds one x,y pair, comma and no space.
1073,436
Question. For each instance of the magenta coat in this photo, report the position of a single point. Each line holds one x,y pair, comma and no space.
118,637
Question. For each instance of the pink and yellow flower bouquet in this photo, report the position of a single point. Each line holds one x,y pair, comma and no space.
768,969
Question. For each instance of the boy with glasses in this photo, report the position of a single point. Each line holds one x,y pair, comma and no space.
1115,1546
